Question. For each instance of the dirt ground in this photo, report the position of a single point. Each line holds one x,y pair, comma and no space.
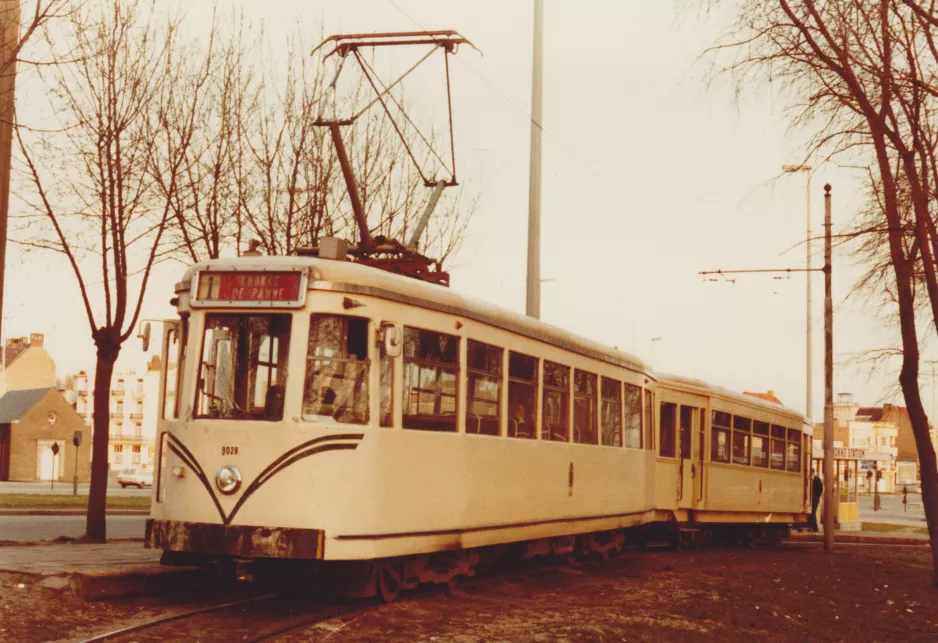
790,593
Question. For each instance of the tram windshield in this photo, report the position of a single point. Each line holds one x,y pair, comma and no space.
243,371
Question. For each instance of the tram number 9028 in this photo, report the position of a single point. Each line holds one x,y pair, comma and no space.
229,450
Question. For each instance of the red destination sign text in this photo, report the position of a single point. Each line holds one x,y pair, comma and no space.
249,286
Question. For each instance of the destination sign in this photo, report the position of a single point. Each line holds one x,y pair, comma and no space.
249,286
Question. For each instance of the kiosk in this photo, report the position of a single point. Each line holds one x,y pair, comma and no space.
847,474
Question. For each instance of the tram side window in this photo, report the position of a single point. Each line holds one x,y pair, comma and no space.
611,413
431,376
243,371
385,388
556,413
584,407
777,454
633,416
741,434
760,444
687,427
649,420
720,437
337,367
522,396
484,363
667,428
793,460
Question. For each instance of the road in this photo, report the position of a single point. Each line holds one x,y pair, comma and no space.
891,510
28,528
65,488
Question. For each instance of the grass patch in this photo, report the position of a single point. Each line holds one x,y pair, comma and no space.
37,501
884,527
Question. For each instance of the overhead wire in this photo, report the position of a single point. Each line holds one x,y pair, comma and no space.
592,172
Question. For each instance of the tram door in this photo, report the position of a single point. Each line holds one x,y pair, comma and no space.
690,471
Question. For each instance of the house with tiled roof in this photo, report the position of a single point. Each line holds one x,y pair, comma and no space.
768,396
37,431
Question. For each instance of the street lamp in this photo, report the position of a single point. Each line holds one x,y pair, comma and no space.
807,169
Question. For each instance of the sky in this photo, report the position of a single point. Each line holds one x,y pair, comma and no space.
651,174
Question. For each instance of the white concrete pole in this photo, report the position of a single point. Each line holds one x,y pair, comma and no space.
533,307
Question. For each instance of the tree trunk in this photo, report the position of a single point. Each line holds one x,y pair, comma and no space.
927,463
96,525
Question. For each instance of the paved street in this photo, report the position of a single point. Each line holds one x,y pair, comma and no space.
28,528
891,510
65,488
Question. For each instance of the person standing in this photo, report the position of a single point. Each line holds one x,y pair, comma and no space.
905,498
817,490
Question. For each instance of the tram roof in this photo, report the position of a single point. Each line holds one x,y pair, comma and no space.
354,278
699,386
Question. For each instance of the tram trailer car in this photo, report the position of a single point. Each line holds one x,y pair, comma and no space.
323,410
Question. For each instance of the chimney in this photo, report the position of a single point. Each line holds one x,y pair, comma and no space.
252,250
36,339
771,392
845,399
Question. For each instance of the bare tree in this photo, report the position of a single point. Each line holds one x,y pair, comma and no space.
862,76
102,187
261,167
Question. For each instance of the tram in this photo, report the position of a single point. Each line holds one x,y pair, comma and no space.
321,410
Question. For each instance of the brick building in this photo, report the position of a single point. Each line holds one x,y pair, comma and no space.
31,421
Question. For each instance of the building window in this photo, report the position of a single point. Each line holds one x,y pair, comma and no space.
135,454
633,416
522,396
337,368
431,380
484,364
667,430
611,413
556,411
741,433
584,407
118,454
720,437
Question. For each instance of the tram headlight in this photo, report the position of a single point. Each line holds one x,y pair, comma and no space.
228,479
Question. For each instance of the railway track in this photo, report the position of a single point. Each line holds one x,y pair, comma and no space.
268,617
255,619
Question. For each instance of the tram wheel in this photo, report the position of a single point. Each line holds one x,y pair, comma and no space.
389,582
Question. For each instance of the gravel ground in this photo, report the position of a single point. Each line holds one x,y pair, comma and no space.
784,594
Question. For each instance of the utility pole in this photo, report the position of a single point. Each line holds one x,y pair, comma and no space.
533,304
828,466
809,401
828,379
10,34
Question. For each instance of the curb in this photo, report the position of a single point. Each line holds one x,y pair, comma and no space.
94,586
873,540
71,512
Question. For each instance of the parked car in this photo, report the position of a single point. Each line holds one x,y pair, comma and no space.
135,477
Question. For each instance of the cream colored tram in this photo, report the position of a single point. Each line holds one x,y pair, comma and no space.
730,459
327,410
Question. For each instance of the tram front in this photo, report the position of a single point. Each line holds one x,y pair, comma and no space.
226,483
